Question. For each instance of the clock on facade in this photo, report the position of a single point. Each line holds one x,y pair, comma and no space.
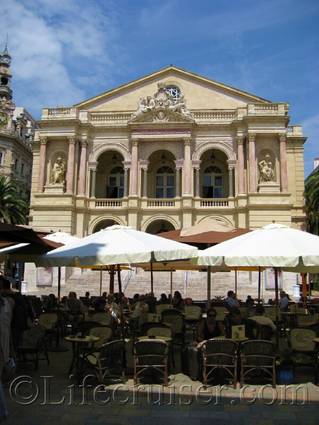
173,91
3,119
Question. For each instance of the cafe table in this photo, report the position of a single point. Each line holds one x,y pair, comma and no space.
78,345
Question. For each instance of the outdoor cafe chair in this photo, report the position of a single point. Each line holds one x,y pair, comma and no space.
85,326
257,356
103,318
162,329
50,322
150,354
303,349
33,344
107,362
161,307
219,354
104,333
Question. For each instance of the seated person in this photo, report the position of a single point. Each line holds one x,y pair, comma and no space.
209,328
234,318
231,301
284,301
261,319
249,301
75,306
178,301
163,299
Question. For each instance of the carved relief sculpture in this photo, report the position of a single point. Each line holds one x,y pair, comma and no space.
162,107
58,171
266,170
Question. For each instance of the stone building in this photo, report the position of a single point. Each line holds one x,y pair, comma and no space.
16,133
167,151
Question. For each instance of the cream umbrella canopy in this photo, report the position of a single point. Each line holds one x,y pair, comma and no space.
117,245
274,245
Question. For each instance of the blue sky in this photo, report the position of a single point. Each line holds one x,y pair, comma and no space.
65,51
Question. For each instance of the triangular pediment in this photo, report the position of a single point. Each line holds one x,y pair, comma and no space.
198,92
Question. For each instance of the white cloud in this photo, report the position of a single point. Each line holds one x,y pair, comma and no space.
56,46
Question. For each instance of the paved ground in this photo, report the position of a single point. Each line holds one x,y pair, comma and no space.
38,400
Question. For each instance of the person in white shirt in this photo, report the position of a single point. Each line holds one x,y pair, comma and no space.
261,319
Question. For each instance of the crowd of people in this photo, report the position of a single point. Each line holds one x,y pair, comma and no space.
18,313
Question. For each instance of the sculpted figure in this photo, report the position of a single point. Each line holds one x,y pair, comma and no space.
266,169
58,171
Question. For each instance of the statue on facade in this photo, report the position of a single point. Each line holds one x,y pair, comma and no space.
58,171
266,170
162,106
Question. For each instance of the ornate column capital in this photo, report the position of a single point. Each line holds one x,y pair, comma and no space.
251,137
43,140
179,164
240,140
196,164
134,142
144,163
126,165
84,143
93,165
187,141
282,137
72,140
231,164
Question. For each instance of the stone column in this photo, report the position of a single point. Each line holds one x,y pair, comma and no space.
70,167
196,167
144,167
125,191
134,169
283,163
231,180
252,163
92,167
82,169
187,169
42,162
241,165
178,168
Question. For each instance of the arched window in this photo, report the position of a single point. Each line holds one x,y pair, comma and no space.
213,182
115,187
165,183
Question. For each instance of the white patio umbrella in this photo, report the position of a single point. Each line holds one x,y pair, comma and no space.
22,252
275,245
118,245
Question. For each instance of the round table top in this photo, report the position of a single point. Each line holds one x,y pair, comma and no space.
163,338
85,339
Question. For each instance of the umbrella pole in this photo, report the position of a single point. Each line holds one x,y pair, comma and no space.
209,283
101,282
119,280
304,289
171,284
111,280
277,304
59,283
152,279
259,284
236,282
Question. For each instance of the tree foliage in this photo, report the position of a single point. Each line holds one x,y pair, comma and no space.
312,202
13,208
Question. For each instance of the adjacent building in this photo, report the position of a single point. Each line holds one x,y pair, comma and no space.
16,133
